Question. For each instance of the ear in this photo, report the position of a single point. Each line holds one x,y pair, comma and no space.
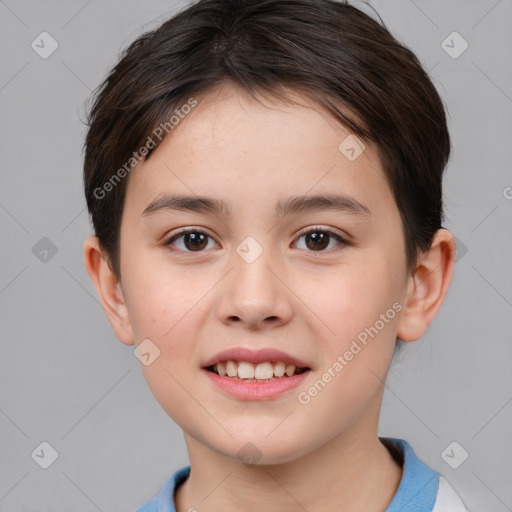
108,289
427,287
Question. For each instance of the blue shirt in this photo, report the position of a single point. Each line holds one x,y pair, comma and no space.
417,491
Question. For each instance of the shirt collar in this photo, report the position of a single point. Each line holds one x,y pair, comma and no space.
416,492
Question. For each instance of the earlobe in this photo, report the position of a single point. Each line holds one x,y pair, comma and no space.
108,289
427,287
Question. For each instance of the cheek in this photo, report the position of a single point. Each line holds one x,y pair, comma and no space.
355,315
161,297
170,305
165,309
349,298
357,345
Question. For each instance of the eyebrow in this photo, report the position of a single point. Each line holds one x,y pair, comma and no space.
294,204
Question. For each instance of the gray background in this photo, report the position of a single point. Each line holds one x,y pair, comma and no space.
67,380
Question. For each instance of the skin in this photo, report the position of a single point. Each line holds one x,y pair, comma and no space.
324,455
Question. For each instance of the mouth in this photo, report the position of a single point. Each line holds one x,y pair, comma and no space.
248,381
246,371
250,365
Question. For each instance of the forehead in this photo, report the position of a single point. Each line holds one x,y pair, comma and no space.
240,150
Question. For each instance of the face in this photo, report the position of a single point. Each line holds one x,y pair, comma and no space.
310,282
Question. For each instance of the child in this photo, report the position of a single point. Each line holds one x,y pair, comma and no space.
265,183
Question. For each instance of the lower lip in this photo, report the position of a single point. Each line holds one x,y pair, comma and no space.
255,390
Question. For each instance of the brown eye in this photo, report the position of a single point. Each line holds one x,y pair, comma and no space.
316,240
195,241
191,241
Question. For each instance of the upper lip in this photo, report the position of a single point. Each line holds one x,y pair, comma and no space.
254,356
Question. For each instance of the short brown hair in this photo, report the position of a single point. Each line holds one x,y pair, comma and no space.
329,50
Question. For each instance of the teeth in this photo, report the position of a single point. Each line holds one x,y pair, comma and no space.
290,370
279,369
221,369
245,370
231,368
261,371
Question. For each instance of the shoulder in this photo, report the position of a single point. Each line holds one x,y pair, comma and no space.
150,506
448,500
164,502
421,487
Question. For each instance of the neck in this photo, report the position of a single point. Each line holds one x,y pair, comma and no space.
350,473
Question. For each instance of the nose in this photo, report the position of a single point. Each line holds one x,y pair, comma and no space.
254,294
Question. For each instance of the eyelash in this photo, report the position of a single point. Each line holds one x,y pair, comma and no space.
316,229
